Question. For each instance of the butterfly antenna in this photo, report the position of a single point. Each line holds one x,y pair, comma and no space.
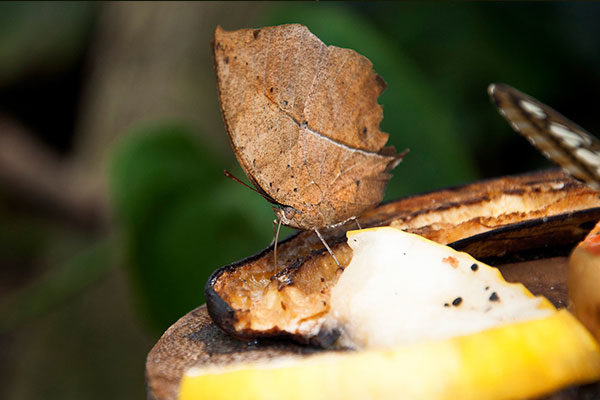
231,176
327,247
263,195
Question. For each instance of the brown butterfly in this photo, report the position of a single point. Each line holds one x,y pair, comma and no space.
558,138
303,121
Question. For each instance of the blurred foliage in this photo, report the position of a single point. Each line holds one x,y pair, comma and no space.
63,281
177,218
42,36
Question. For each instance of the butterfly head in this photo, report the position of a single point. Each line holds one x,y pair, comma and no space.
287,214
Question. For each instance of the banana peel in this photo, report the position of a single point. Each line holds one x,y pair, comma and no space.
530,216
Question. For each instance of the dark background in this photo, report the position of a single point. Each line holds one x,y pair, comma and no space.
113,205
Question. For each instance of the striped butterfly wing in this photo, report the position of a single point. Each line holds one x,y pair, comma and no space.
558,138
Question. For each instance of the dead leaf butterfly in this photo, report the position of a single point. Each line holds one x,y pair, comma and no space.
303,121
558,138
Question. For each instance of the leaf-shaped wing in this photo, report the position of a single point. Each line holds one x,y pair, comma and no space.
303,120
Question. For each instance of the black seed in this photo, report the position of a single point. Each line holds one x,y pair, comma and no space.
322,279
494,297
487,288
474,267
358,183
446,305
226,60
256,33
271,90
364,130
270,184
295,189
324,303
456,302
285,103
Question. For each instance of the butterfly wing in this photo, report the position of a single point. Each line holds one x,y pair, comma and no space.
303,121
558,138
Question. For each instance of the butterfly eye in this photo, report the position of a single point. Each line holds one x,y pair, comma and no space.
290,211
287,212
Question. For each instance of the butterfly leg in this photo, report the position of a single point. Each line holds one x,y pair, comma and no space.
327,247
275,222
274,243
357,223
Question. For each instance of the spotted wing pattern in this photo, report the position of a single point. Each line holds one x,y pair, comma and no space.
558,138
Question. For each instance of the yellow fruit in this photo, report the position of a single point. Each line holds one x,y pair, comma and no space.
519,360
584,281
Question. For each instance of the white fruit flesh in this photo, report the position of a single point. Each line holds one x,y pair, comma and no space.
401,289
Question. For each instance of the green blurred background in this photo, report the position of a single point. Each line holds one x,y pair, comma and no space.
113,206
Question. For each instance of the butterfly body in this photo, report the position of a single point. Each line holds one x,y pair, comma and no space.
558,138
